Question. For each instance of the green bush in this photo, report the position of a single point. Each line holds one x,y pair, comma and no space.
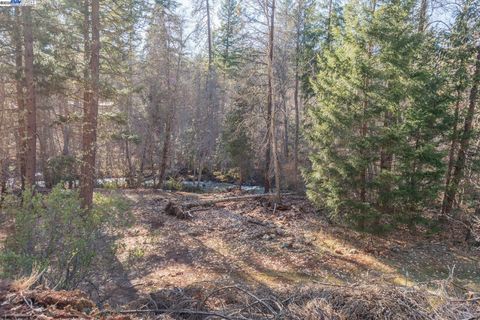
61,169
173,184
52,234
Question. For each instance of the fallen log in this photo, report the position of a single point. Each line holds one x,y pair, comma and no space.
206,203
181,210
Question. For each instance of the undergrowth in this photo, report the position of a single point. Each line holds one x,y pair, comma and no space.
52,234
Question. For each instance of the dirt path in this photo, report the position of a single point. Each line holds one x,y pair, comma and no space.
244,242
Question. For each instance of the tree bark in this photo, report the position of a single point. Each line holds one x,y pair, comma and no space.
131,169
296,92
43,138
91,113
169,124
364,129
286,150
209,38
3,158
271,105
31,108
422,20
19,86
266,181
329,22
132,180
458,170
386,156
451,153
66,130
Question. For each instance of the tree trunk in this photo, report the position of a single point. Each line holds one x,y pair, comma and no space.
422,19
90,113
43,153
19,86
266,180
285,128
189,205
200,171
31,121
172,100
143,159
3,178
132,180
131,169
169,125
364,130
209,38
386,156
271,105
329,22
3,158
66,129
458,170
296,93
166,148
86,99
451,153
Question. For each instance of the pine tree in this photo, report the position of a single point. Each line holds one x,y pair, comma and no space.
316,23
461,58
235,138
379,115
30,99
89,134
229,37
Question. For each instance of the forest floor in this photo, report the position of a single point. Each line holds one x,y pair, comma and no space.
247,243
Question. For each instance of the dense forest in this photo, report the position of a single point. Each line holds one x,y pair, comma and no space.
362,115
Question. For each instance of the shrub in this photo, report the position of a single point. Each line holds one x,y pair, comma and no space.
53,234
173,184
61,169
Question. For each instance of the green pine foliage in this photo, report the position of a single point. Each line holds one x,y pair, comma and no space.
376,127
236,141
316,23
229,38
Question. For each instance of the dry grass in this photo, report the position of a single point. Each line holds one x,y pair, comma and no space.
214,300
321,301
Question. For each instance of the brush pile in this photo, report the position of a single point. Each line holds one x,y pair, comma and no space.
211,301
16,302
322,301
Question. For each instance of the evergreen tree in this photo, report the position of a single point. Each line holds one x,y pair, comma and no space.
315,25
461,59
379,114
229,37
236,140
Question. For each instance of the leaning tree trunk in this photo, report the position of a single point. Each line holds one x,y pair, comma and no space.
31,121
90,113
459,167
